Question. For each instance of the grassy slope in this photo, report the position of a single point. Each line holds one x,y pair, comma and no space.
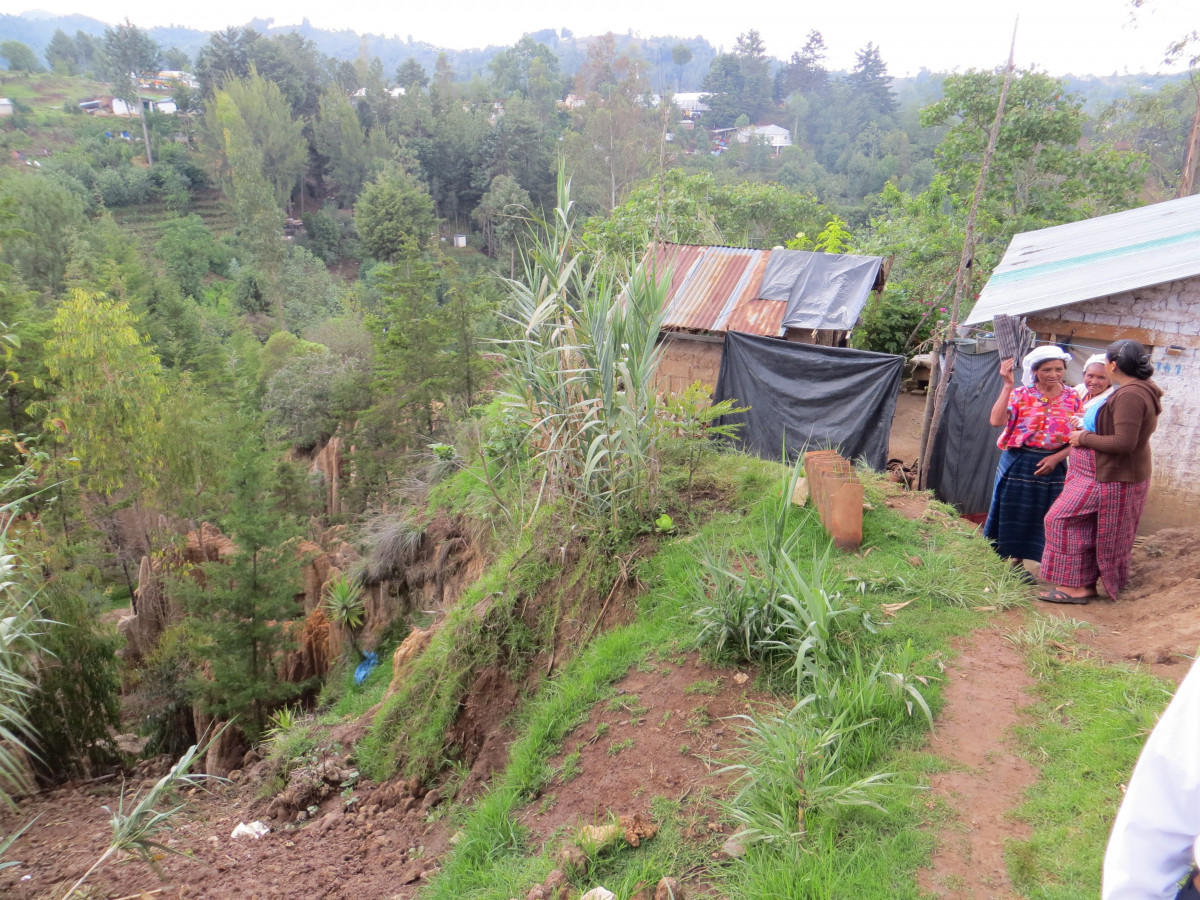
852,852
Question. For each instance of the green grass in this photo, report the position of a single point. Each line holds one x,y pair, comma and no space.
847,852
1084,734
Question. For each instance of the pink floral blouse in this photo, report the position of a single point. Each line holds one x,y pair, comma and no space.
1038,422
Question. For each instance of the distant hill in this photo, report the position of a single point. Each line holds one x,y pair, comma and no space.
36,30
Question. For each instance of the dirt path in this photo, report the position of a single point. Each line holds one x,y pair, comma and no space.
986,689
1153,624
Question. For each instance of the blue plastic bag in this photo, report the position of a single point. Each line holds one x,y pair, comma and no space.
370,661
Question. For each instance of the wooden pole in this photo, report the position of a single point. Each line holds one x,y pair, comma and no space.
1191,156
962,278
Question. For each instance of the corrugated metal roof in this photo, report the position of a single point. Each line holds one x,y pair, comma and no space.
1094,258
716,289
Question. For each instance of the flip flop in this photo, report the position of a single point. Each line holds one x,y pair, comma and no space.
1057,596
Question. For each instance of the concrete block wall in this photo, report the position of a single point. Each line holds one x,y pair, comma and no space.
1166,317
687,360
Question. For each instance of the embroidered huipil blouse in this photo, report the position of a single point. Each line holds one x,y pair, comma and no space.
1038,422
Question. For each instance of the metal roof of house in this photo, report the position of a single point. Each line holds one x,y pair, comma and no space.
718,289
1094,258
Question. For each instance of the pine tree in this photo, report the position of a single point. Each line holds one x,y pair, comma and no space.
242,605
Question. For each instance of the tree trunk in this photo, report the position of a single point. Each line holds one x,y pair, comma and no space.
145,132
1191,156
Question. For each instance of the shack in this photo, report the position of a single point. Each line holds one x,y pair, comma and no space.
1132,274
800,296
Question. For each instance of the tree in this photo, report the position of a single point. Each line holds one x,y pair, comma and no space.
1039,175
870,81
62,53
227,54
130,56
45,215
176,60
412,76
413,334
394,216
189,252
805,72
260,221
739,83
255,111
340,138
501,213
109,392
19,56
77,706
531,69
244,604
681,55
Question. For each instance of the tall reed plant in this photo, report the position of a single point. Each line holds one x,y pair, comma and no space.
581,370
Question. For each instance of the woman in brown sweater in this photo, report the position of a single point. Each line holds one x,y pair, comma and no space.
1091,527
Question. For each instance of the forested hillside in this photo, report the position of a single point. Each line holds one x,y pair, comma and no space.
268,357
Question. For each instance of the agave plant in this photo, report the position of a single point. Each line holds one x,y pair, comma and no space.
345,606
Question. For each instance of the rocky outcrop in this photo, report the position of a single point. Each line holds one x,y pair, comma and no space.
329,462
314,653
410,648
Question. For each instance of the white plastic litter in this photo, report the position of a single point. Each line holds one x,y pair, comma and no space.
254,830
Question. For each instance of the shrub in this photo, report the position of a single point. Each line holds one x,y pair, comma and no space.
124,186
77,703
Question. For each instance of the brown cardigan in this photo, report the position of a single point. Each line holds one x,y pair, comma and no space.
1123,428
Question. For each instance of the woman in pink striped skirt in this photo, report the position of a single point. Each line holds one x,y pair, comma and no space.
1091,526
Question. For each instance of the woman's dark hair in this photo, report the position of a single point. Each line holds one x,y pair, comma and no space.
1131,358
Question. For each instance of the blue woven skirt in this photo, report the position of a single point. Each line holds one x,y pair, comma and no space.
1020,501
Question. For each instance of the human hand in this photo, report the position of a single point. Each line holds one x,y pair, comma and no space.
1073,437
1047,465
1006,371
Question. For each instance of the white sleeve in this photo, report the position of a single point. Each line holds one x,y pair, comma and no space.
1150,849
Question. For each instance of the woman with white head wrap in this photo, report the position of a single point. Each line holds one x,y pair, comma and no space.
1095,387
1036,418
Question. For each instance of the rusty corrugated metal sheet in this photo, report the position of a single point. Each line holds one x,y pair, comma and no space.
714,289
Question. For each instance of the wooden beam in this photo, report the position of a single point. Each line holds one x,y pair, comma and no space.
1065,329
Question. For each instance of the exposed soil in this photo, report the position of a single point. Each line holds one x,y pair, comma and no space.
659,736
986,688
1154,621
905,440
381,851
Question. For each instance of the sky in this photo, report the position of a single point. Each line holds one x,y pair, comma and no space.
1098,37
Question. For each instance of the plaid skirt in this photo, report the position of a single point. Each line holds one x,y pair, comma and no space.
1020,501
1091,527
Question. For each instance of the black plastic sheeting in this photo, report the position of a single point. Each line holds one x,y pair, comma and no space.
962,464
825,291
806,397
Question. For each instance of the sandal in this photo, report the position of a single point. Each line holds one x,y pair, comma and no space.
1057,596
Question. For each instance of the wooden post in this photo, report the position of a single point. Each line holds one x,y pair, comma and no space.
964,265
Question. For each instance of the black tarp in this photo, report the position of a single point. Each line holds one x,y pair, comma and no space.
962,464
824,291
803,396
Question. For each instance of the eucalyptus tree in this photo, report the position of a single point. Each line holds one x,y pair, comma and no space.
131,56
